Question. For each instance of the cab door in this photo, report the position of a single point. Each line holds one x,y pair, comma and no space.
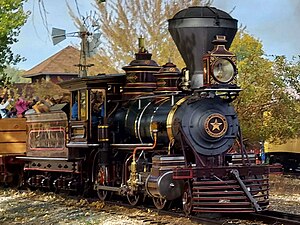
79,121
88,111
97,111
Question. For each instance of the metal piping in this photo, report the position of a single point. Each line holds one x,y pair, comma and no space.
125,170
132,145
160,95
133,174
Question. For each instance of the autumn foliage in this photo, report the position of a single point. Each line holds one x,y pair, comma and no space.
268,106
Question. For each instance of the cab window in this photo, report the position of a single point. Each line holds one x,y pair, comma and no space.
74,102
97,112
82,105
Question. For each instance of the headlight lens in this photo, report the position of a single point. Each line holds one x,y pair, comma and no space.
223,71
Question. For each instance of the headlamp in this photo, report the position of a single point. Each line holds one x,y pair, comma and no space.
223,71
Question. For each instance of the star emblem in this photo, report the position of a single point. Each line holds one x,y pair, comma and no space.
216,125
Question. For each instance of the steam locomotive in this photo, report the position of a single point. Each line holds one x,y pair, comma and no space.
154,132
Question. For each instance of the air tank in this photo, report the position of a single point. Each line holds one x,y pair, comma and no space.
193,29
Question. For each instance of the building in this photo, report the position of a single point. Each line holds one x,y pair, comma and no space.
57,68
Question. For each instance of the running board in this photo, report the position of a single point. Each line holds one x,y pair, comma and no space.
107,188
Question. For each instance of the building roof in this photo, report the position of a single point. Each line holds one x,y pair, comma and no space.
63,63
60,63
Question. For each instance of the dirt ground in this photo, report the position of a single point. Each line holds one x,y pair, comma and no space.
17,207
285,194
47,208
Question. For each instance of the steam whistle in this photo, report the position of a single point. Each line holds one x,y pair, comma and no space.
142,45
185,83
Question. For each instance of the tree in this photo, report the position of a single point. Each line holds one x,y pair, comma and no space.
267,107
4,80
15,75
122,22
12,17
47,89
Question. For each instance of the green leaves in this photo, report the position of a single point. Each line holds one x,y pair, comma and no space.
15,75
12,18
268,107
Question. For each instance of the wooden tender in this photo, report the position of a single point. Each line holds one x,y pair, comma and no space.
12,144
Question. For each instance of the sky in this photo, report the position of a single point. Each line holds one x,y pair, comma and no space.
276,23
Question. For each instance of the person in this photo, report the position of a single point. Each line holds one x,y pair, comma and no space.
97,107
12,113
75,111
3,107
21,107
49,101
35,99
41,107
97,113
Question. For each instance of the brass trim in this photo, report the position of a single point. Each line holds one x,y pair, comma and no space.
220,124
103,126
103,139
171,116
165,90
141,83
139,87
138,122
160,102
136,93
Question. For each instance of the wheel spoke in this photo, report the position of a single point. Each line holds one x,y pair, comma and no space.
187,199
102,194
159,203
100,180
133,199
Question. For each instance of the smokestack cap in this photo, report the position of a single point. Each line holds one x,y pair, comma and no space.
193,29
202,12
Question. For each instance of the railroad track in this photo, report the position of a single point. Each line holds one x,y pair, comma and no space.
279,217
205,219
266,217
294,175
273,217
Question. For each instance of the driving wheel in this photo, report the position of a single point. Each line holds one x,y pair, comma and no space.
103,195
160,203
100,180
133,199
187,199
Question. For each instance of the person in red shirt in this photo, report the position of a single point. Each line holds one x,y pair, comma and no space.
21,107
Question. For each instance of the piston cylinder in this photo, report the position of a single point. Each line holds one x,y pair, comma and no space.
160,182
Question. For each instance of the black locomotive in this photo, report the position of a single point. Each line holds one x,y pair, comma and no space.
155,131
